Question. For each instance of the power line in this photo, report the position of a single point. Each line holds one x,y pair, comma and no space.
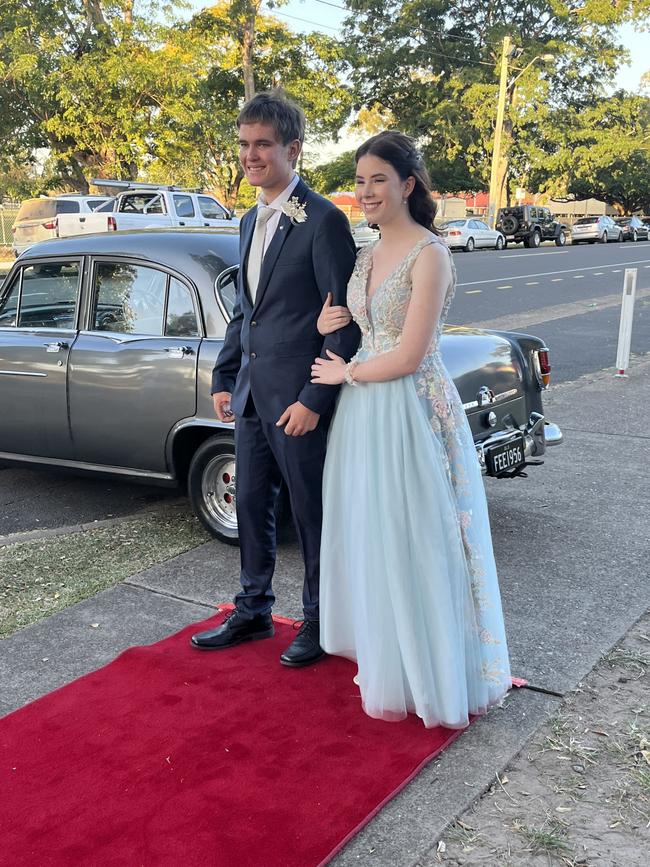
423,29
414,49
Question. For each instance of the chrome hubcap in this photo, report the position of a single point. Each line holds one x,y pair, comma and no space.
218,490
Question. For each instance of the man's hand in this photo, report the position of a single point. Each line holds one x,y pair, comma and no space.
221,401
297,420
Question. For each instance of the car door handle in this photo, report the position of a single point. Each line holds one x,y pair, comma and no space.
56,347
82,219
181,223
179,351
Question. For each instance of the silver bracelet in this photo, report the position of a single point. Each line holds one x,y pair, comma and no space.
349,367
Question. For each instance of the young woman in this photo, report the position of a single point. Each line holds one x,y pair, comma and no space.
409,589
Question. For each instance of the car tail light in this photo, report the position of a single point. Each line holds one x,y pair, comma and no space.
542,366
50,225
112,224
454,232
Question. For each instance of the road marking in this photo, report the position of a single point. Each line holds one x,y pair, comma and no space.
551,273
557,279
533,283
519,321
545,252
473,292
600,273
505,286
578,276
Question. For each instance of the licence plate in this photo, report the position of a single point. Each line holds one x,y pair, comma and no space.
499,459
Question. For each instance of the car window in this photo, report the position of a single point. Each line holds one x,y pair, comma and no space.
586,221
210,209
181,316
49,295
454,223
226,291
481,224
533,213
93,204
9,302
108,205
129,299
66,206
135,203
473,224
184,206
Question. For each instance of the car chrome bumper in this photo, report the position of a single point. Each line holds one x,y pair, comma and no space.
538,434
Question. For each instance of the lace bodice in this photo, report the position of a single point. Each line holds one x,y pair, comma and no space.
381,318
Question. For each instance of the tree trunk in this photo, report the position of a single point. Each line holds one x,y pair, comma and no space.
128,12
248,48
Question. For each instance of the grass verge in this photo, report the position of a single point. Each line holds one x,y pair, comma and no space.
40,578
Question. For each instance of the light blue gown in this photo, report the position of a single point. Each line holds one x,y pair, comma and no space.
409,588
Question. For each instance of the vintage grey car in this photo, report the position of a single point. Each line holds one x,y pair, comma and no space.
107,344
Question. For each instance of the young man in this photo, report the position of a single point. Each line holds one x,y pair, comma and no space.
295,247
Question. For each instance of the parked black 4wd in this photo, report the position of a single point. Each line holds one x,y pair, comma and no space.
530,224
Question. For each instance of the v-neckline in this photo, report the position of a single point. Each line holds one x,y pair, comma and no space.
369,297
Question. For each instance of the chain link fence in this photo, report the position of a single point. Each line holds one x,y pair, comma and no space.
8,211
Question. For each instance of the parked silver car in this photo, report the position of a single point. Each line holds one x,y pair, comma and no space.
471,234
37,219
591,229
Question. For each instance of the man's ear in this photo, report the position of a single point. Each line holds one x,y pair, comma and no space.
294,151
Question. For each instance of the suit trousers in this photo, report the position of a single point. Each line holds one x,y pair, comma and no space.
265,456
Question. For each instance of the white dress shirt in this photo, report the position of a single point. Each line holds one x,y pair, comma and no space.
276,204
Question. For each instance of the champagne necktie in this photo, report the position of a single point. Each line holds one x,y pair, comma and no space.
256,254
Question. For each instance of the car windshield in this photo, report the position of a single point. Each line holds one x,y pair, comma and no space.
454,223
623,221
586,221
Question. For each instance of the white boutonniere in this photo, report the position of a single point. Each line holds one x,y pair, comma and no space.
295,210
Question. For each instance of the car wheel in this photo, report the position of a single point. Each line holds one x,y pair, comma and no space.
510,224
469,246
635,237
560,241
500,244
603,240
211,487
620,237
535,240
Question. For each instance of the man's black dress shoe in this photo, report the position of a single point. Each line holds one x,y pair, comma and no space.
234,630
305,648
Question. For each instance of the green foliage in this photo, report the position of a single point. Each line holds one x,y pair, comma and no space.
336,175
433,66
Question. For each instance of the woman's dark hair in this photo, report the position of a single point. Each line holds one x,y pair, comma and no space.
400,151
274,108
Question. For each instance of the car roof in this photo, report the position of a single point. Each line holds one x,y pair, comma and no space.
190,251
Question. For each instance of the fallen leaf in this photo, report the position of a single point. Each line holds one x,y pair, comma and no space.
599,732
442,847
94,625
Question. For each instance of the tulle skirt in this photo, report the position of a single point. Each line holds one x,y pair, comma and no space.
401,592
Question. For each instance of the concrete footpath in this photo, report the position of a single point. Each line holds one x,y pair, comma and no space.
572,547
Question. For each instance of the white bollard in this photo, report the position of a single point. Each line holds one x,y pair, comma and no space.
625,327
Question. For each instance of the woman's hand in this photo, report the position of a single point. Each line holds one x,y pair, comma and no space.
332,318
330,372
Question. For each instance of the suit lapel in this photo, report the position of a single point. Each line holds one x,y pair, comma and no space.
247,230
285,226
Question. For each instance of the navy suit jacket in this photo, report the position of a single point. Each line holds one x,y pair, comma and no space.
270,346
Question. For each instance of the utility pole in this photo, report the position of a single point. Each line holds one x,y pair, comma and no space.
493,204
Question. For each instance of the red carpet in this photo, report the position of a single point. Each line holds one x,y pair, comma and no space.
169,757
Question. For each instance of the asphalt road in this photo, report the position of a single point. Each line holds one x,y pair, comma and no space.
568,296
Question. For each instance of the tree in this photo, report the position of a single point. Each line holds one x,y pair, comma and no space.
336,175
308,67
605,154
432,66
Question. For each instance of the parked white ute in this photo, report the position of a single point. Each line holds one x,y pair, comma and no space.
148,206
